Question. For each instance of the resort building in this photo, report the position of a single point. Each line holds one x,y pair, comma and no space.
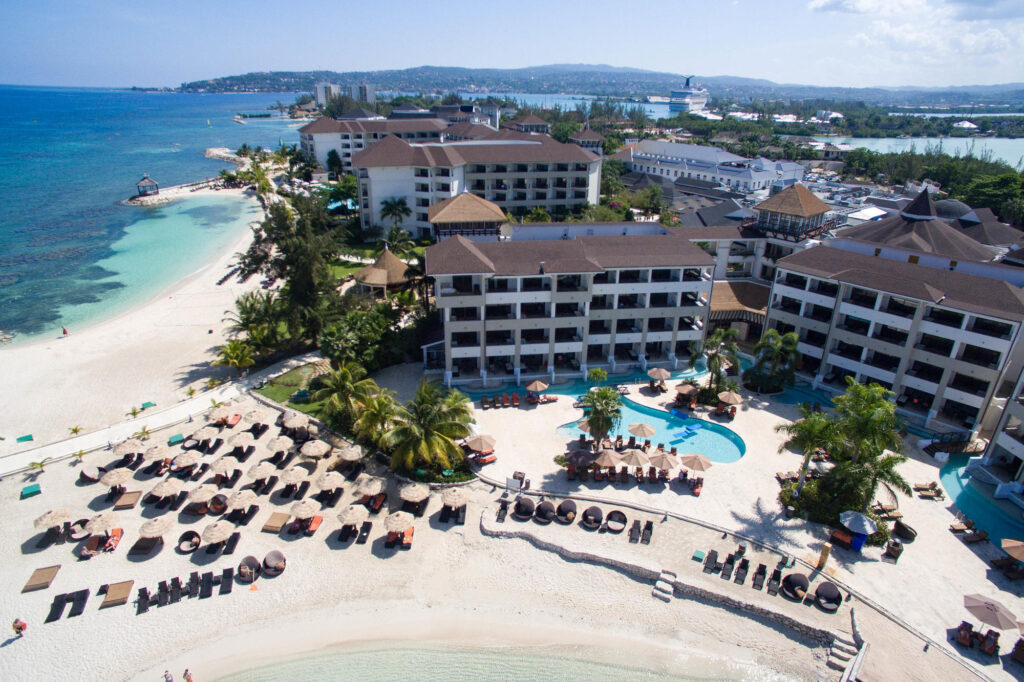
555,309
324,91
347,137
468,215
1003,462
517,173
589,140
531,125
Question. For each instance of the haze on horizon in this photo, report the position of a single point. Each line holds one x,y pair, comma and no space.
856,43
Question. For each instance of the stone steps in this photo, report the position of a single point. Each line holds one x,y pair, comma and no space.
841,653
663,586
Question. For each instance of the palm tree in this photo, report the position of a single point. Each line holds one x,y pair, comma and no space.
257,314
883,470
815,430
343,389
718,348
417,279
235,353
376,414
777,358
866,421
426,429
603,408
396,209
398,241
597,376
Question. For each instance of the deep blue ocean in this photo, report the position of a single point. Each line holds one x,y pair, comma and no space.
69,252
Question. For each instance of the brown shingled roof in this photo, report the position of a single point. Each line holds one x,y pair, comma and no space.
925,236
392,151
387,270
587,134
385,126
531,120
794,200
465,208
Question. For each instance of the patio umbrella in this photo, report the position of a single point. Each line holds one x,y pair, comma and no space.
242,439
258,416
659,374
128,447
241,499
218,413
203,493
583,425
371,486
54,517
1014,548
217,532
280,444
353,515
352,453
608,458
414,492
158,452
580,458
188,459
261,471
989,611
224,465
858,523
167,488
330,480
116,476
687,389
304,509
101,523
695,461
296,420
481,443
315,448
206,433
634,457
642,430
730,397
397,522
155,528
536,386
663,460
294,476
455,497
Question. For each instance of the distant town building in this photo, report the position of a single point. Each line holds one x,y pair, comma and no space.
324,91
589,140
147,186
363,92
531,124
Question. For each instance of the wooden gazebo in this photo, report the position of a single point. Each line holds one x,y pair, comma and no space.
386,274
147,186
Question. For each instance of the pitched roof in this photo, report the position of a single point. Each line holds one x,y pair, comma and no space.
737,296
386,126
991,232
921,208
531,120
794,200
468,130
952,289
146,181
924,236
587,134
387,270
358,113
495,148
465,208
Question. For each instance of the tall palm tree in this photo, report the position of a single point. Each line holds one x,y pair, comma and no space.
235,353
396,209
815,430
426,429
883,470
343,389
603,408
417,279
777,358
399,241
376,414
867,422
718,348
255,313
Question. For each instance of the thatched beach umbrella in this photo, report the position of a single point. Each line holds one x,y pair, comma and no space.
294,475
242,439
54,517
687,389
261,471
481,443
116,477
188,459
455,497
315,448
536,386
608,458
304,509
371,485
659,374
241,499
155,528
158,452
730,397
352,453
398,522
219,413
695,461
101,523
663,460
128,447
206,433
1014,548
223,466
633,457
258,416
353,515
414,492
583,425
295,420
642,430
217,532
280,444
167,488
202,494
330,480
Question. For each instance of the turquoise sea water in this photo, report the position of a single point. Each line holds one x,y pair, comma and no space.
69,252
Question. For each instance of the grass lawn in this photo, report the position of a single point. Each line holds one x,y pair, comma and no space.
345,268
369,250
281,388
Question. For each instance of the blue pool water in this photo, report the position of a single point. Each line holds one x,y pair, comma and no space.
714,441
803,394
987,515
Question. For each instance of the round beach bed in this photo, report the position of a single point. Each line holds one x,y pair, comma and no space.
794,586
249,569
592,518
545,513
566,512
274,563
523,509
904,532
616,522
827,597
77,531
188,542
218,505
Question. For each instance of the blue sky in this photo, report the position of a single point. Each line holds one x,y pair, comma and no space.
821,42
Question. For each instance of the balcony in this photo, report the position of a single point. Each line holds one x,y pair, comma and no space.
926,372
820,314
665,276
882,361
996,330
473,290
900,310
862,300
601,303
849,352
600,328
630,302
969,385
571,284
564,335
691,275
795,281
855,326
659,324
534,336
632,277
536,284
934,344
980,357
825,289
465,340
568,312
500,313
465,315
890,336
815,339
946,319
529,312
499,339
789,305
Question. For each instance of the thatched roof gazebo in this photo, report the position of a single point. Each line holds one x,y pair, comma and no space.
466,214
387,273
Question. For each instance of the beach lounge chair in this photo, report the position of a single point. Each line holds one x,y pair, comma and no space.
775,582
741,571
965,634
192,588
288,490
57,607
206,585
618,442
988,645
142,601
727,567
176,590
392,539
598,473
127,500
460,519
50,537
364,532
711,561
698,486
232,543
78,606
227,580
41,578
144,546
570,471
635,531
515,400
931,494
648,530
732,412
962,526
632,442
502,511
276,522
92,547
1003,562
485,403
505,401
286,460
303,489
759,577
314,523
113,540
117,594
407,538
214,446
919,487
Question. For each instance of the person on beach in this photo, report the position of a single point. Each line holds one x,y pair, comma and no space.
65,330
168,677
19,627
188,675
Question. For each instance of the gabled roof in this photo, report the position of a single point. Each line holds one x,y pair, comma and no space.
531,120
991,232
468,130
465,208
587,134
387,270
794,200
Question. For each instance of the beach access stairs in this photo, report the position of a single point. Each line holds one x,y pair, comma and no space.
842,651
664,587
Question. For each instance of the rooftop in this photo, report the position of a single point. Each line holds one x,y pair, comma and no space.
795,200
465,208
389,125
495,148
387,270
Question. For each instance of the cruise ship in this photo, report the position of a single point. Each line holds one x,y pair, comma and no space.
689,98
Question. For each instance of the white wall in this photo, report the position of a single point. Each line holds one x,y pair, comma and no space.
1014,276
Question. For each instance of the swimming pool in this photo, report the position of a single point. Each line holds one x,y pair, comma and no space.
986,514
794,395
716,442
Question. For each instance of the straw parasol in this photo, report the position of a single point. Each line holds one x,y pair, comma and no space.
858,523
730,397
536,386
315,448
663,460
695,461
54,517
116,476
155,528
330,480
257,416
224,465
280,444
305,509
634,457
218,413
642,430
242,439
608,458
659,374
167,488
296,420
414,492
481,443
989,611
241,499
217,532
1014,548
294,475
101,523
158,452
397,522
371,486
455,497
353,453
188,459
261,471
206,433
583,425
128,447
353,515
203,493
687,389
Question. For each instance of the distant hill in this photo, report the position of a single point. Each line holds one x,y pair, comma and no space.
602,80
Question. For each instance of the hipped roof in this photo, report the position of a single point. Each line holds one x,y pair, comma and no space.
387,270
465,208
496,148
794,200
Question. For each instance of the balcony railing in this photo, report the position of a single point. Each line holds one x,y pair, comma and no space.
995,331
954,321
